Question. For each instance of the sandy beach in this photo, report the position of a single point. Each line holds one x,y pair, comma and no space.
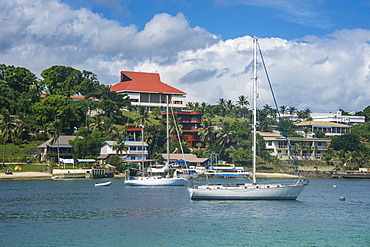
26,175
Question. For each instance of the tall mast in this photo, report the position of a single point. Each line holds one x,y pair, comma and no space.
255,95
167,133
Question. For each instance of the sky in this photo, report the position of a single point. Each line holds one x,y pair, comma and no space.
317,52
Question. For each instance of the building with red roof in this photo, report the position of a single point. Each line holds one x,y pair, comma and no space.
147,89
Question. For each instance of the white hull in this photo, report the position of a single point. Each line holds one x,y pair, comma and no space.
228,174
156,181
247,192
103,184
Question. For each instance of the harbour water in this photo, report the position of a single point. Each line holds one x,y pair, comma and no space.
76,213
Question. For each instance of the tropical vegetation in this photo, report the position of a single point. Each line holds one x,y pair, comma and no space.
34,110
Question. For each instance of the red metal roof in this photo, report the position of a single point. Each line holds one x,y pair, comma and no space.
143,82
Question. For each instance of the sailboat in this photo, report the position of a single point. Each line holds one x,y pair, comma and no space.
157,180
254,190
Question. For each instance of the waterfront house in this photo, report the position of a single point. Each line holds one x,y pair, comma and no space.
303,148
147,89
135,149
49,149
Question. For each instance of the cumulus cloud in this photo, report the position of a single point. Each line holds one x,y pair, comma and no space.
324,74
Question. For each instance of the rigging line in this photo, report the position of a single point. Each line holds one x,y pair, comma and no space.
178,137
280,118
238,79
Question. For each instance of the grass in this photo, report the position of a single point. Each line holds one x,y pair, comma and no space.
15,154
27,167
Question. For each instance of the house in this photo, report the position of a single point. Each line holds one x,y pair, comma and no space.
191,121
303,148
147,89
49,149
135,150
329,128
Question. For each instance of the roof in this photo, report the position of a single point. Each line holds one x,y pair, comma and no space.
270,136
62,141
128,143
143,82
320,123
187,157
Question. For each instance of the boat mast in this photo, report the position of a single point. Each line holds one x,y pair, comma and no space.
255,95
142,148
167,133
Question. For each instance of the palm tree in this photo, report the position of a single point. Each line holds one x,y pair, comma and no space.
283,109
56,129
120,146
225,135
175,127
206,132
242,102
143,117
96,122
292,110
7,126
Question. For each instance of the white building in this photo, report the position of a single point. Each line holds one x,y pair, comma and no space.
303,148
135,150
147,89
337,117
329,128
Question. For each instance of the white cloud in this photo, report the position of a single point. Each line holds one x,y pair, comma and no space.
324,74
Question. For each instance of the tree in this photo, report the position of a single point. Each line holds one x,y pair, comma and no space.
55,128
62,80
7,125
243,103
292,110
120,146
143,117
206,132
225,135
19,89
89,145
283,109
69,112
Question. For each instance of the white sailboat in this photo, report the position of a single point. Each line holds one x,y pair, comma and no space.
249,191
158,180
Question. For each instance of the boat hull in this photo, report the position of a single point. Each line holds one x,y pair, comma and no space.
103,184
253,192
156,181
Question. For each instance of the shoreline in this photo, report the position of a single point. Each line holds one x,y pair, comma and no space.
25,175
45,175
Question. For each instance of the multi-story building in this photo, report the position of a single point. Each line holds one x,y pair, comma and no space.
303,148
329,128
61,146
147,89
191,121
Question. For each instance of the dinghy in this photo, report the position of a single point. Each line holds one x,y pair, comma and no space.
103,184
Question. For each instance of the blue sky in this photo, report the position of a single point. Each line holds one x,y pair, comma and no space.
317,52
288,19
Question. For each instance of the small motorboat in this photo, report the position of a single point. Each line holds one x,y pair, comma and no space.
103,184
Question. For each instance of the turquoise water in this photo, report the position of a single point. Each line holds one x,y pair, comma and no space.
75,213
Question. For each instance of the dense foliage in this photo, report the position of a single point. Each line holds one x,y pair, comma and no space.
33,108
